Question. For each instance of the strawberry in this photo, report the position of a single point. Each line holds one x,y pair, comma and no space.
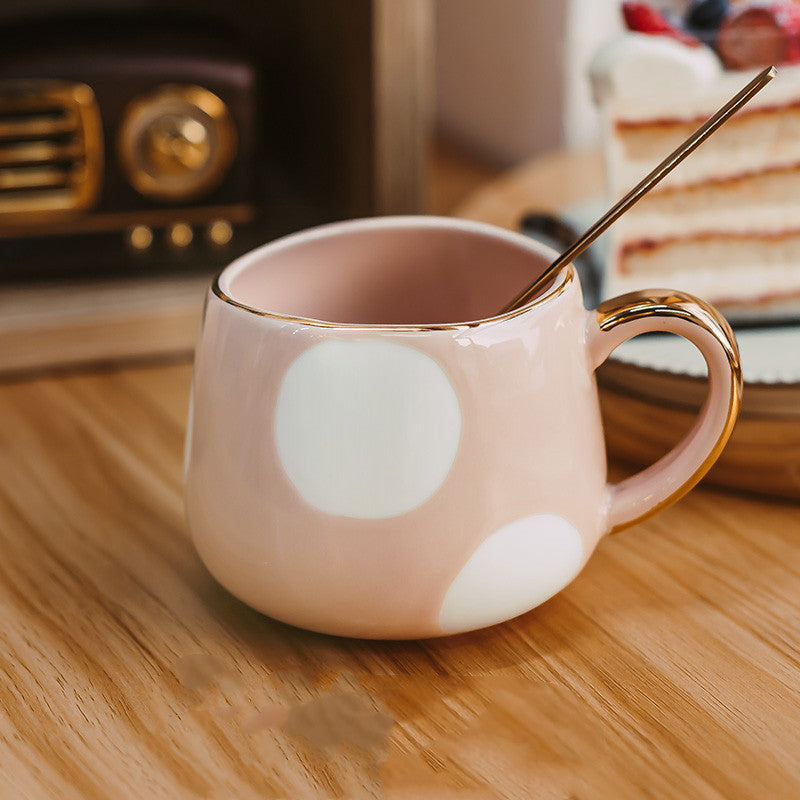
642,18
759,35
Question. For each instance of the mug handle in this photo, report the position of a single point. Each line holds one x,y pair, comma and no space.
673,475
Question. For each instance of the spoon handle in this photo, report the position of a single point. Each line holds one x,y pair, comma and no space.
644,186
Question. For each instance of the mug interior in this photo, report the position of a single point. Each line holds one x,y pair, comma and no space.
385,272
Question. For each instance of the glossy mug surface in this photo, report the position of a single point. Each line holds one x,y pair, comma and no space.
371,452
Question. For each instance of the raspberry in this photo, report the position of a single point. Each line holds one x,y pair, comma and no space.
642,18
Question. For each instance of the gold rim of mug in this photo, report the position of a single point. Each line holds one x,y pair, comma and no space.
560,284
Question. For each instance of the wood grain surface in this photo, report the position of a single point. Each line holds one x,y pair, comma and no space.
669,668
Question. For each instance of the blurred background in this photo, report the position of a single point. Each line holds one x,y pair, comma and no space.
511,76
144,144
511,83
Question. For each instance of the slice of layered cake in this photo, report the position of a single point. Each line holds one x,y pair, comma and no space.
725,224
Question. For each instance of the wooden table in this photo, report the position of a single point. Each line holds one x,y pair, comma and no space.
670,668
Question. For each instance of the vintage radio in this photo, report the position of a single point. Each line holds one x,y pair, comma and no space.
143,137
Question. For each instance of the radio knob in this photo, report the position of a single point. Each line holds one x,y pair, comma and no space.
177,143
139,237
219,232
180,234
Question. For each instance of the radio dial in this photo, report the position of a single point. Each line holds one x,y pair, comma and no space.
177,143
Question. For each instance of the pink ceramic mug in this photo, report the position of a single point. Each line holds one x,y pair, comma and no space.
373,452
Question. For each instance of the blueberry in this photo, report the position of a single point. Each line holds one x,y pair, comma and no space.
705,16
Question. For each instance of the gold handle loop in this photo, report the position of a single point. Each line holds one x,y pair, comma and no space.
672,476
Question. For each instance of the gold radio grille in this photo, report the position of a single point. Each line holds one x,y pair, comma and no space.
51,150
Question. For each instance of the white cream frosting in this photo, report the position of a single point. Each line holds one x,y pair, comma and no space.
637,77
634,66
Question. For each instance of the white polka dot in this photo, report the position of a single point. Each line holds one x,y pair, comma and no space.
366,429
517,568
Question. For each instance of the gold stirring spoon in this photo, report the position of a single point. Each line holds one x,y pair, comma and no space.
643,187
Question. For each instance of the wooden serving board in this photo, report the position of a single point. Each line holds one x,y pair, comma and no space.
647,411
762,455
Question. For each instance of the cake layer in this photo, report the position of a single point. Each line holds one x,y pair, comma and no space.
728,252
725,224
766,138
767,202
774,285
721,269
